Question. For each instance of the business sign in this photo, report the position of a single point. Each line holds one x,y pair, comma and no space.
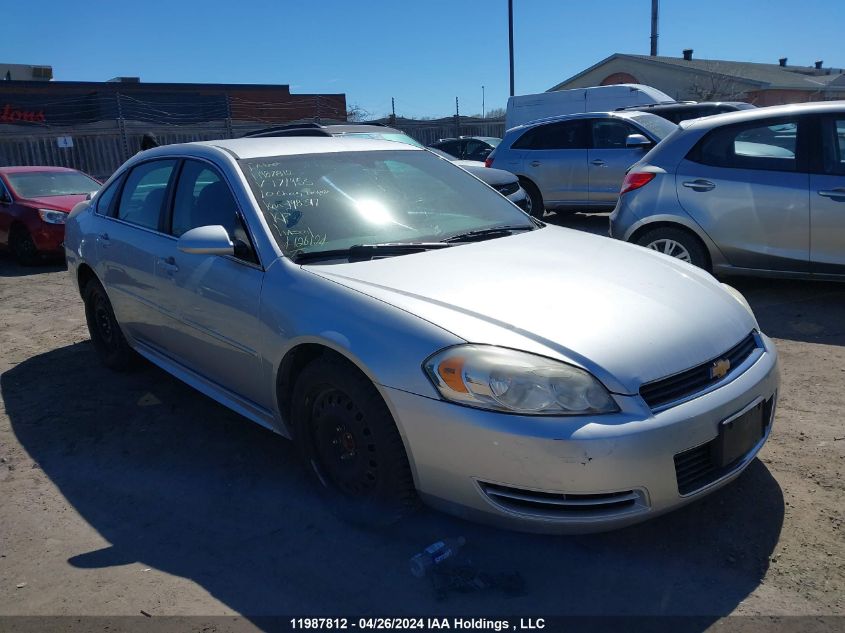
64,141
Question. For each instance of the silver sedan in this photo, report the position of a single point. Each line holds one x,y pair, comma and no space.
420,337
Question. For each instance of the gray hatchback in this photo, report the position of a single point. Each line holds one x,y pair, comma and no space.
754,192
577,161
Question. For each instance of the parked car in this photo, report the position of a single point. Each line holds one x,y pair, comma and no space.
677,112
468,147
420,337
578,161
504,182
524,109
34,203
754,192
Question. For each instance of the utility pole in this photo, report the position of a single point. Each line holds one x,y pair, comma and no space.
457,120
510,37
483,111
655,13
392,110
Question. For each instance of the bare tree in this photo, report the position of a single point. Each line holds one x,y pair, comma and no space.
715,84
356,113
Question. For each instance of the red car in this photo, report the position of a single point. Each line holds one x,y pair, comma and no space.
34,203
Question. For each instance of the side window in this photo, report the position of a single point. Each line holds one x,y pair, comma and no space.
770,146
144,193
564,135
453,148
611,133
833,146
476,150
203,199
106,200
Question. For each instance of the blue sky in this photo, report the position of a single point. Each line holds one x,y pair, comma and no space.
423,53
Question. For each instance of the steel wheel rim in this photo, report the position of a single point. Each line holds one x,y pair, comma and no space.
102,318
343,443
671,248
529,204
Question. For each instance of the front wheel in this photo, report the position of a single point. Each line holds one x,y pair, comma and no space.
106,335
23,247
676,243
350,444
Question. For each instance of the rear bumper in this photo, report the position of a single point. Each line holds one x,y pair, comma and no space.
502,469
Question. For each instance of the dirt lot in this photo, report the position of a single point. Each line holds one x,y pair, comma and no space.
129,493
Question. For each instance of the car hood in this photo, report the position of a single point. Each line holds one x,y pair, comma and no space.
627,314
493,177
59,203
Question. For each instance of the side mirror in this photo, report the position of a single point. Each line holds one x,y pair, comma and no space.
206,240
5,200
637,141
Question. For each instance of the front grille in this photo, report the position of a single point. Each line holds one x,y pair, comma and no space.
698,467
561,505
660,392
507,189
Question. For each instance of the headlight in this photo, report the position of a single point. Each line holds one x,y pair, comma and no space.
52,217
517,382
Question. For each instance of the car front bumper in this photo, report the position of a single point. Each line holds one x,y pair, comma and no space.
571,475
48,238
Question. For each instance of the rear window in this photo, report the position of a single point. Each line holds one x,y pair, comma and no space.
768,146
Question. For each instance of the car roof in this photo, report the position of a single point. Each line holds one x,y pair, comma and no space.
740,116
341,128
582,115
293,145
25,169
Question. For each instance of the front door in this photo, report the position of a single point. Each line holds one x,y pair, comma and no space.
827,201
217,296
609,158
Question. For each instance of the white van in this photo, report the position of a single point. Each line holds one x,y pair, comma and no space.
525,108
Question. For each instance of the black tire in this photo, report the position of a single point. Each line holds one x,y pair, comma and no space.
535,206
662,239
350,444
106,335
23,248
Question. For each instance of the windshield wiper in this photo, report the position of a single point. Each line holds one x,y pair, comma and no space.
487,234
365,252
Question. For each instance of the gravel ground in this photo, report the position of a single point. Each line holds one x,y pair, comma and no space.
124,493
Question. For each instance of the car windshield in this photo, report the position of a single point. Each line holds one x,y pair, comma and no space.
659,127
322,202
384,136
42,184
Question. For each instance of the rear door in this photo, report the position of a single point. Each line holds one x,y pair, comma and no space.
554,157
827,200
609,159
747,186
127,242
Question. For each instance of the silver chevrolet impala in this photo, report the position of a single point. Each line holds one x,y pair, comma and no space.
420,337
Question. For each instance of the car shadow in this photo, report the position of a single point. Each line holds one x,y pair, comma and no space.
174,481
10,268
596,223
797,310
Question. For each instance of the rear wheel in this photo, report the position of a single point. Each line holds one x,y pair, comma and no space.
106,335
350,444
22,246
677,243
534,205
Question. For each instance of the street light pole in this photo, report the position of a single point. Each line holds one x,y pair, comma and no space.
510,38
483,115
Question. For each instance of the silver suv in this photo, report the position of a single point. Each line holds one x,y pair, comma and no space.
753,192
577,161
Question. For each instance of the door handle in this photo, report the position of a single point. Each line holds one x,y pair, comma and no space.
535,163
839,192
699,185
598,162
168,264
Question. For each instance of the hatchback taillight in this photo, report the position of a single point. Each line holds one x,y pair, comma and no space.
635,180
488,162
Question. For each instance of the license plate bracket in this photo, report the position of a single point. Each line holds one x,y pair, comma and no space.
739,435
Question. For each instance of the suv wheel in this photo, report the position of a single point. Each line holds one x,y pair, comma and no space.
534,205
677,243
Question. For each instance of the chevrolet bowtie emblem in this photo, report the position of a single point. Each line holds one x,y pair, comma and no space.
720,368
